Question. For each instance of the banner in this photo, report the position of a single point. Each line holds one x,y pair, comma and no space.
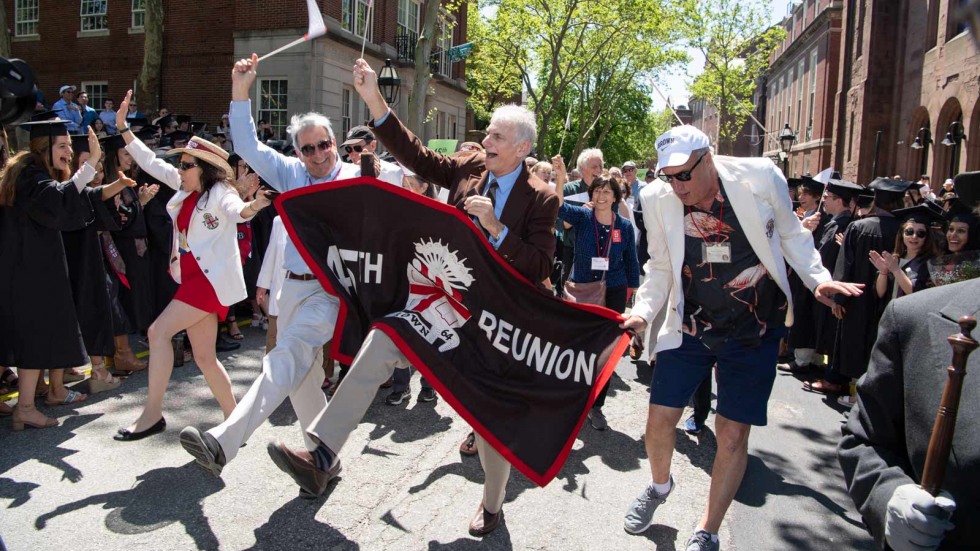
459,53
519,365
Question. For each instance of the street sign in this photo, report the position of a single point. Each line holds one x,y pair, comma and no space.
459,53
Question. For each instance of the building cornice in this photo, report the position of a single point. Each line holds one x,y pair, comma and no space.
818,24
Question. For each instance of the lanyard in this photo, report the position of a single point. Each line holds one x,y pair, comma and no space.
721,220
598,247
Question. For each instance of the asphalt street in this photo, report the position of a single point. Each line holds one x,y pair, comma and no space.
404,483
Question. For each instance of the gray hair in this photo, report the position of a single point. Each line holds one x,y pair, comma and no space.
306,121
587,155
521,118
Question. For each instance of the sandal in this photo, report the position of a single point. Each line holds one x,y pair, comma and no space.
20,421
823,387
42,389
8,381
71,398
468,447
98,384
233,330
73,375
5,410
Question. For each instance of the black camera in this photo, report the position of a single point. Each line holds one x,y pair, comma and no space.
18,93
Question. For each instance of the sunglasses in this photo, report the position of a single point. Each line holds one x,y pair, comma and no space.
684,176
355,148
629,169
310,149
186,166
921,234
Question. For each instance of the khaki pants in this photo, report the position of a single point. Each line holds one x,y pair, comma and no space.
374,364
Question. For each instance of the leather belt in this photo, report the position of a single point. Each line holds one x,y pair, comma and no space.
300,277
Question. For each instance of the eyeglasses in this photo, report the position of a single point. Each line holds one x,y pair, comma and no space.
310,149
684,176
630,169
186,166
355,148
921,234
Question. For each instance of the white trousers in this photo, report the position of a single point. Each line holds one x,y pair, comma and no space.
375,362
307,317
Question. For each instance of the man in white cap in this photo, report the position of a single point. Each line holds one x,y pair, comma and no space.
629,173
67,108
721,230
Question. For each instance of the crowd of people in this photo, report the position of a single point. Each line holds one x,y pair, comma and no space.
716,255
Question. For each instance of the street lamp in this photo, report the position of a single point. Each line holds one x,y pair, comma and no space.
923,144
786,139
954,136
389,83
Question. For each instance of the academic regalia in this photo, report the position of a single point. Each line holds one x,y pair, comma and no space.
159,228
132,242
825,324
37,313
86,269
803,334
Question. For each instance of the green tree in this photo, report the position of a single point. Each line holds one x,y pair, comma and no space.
491,78
735,38
148,83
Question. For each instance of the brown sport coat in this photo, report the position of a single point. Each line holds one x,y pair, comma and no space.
531,207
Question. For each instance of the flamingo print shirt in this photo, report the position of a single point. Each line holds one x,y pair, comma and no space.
724,301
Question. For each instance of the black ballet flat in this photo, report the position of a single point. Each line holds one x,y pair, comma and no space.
124,435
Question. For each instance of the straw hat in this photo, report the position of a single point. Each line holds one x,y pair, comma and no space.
206,151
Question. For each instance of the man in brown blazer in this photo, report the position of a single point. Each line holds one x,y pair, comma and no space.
515,210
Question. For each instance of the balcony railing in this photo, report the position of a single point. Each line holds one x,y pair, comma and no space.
405,42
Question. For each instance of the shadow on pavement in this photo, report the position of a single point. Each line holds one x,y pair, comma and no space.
160,498
499,539
663,537
403,424
617,450
43,445
699,450
294,526
18,492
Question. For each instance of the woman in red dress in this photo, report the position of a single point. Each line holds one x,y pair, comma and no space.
206,263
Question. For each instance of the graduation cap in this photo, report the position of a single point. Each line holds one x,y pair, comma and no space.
814,187
844,189
79,143
198,126
147,133
926,214
46,125
164,122
139,121
179,136
182,119
233,159
113,143
961,212
967,187
889,185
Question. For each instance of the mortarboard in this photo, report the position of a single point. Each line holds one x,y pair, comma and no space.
138,121
814,187
165,121
967,187
844,189
46,125
198,126
182,119
113,143
961,212
179,136
79,143
147,132
926,214
889,185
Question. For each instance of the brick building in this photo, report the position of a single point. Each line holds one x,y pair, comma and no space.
102,53
748,143
856,77
802,86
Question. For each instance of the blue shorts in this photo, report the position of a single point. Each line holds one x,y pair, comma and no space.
745,376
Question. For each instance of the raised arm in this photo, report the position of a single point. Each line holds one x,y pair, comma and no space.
272,166
142,155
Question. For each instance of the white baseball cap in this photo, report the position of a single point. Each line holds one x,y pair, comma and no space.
675,146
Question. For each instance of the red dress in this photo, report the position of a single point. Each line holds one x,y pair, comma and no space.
195,289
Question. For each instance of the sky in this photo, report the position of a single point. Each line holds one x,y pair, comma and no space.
675,86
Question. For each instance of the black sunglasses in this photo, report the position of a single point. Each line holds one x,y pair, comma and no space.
310,149
355,148
684,176
186,166
921,234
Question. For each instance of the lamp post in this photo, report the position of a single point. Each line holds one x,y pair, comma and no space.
389,83
786,139
922,140
954,136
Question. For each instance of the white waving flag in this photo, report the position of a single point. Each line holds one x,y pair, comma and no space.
316,29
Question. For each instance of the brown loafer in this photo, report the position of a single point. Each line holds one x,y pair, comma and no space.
484,523
300,466
823,387
795,368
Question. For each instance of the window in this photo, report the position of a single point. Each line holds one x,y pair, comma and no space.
800,68
789,96
957,23
97,92
408,17
345,110
353,17
850,139
26,14
273,104
94,15
442,64
452,128
813,93
139,13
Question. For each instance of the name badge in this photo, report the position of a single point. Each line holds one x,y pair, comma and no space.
717,253
617,237
600,263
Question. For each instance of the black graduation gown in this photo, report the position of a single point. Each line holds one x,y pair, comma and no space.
803,333
86,269
857,331
160,227
38,325
137,300
824,322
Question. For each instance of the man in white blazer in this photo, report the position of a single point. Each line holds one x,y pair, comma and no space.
307,314
720,231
